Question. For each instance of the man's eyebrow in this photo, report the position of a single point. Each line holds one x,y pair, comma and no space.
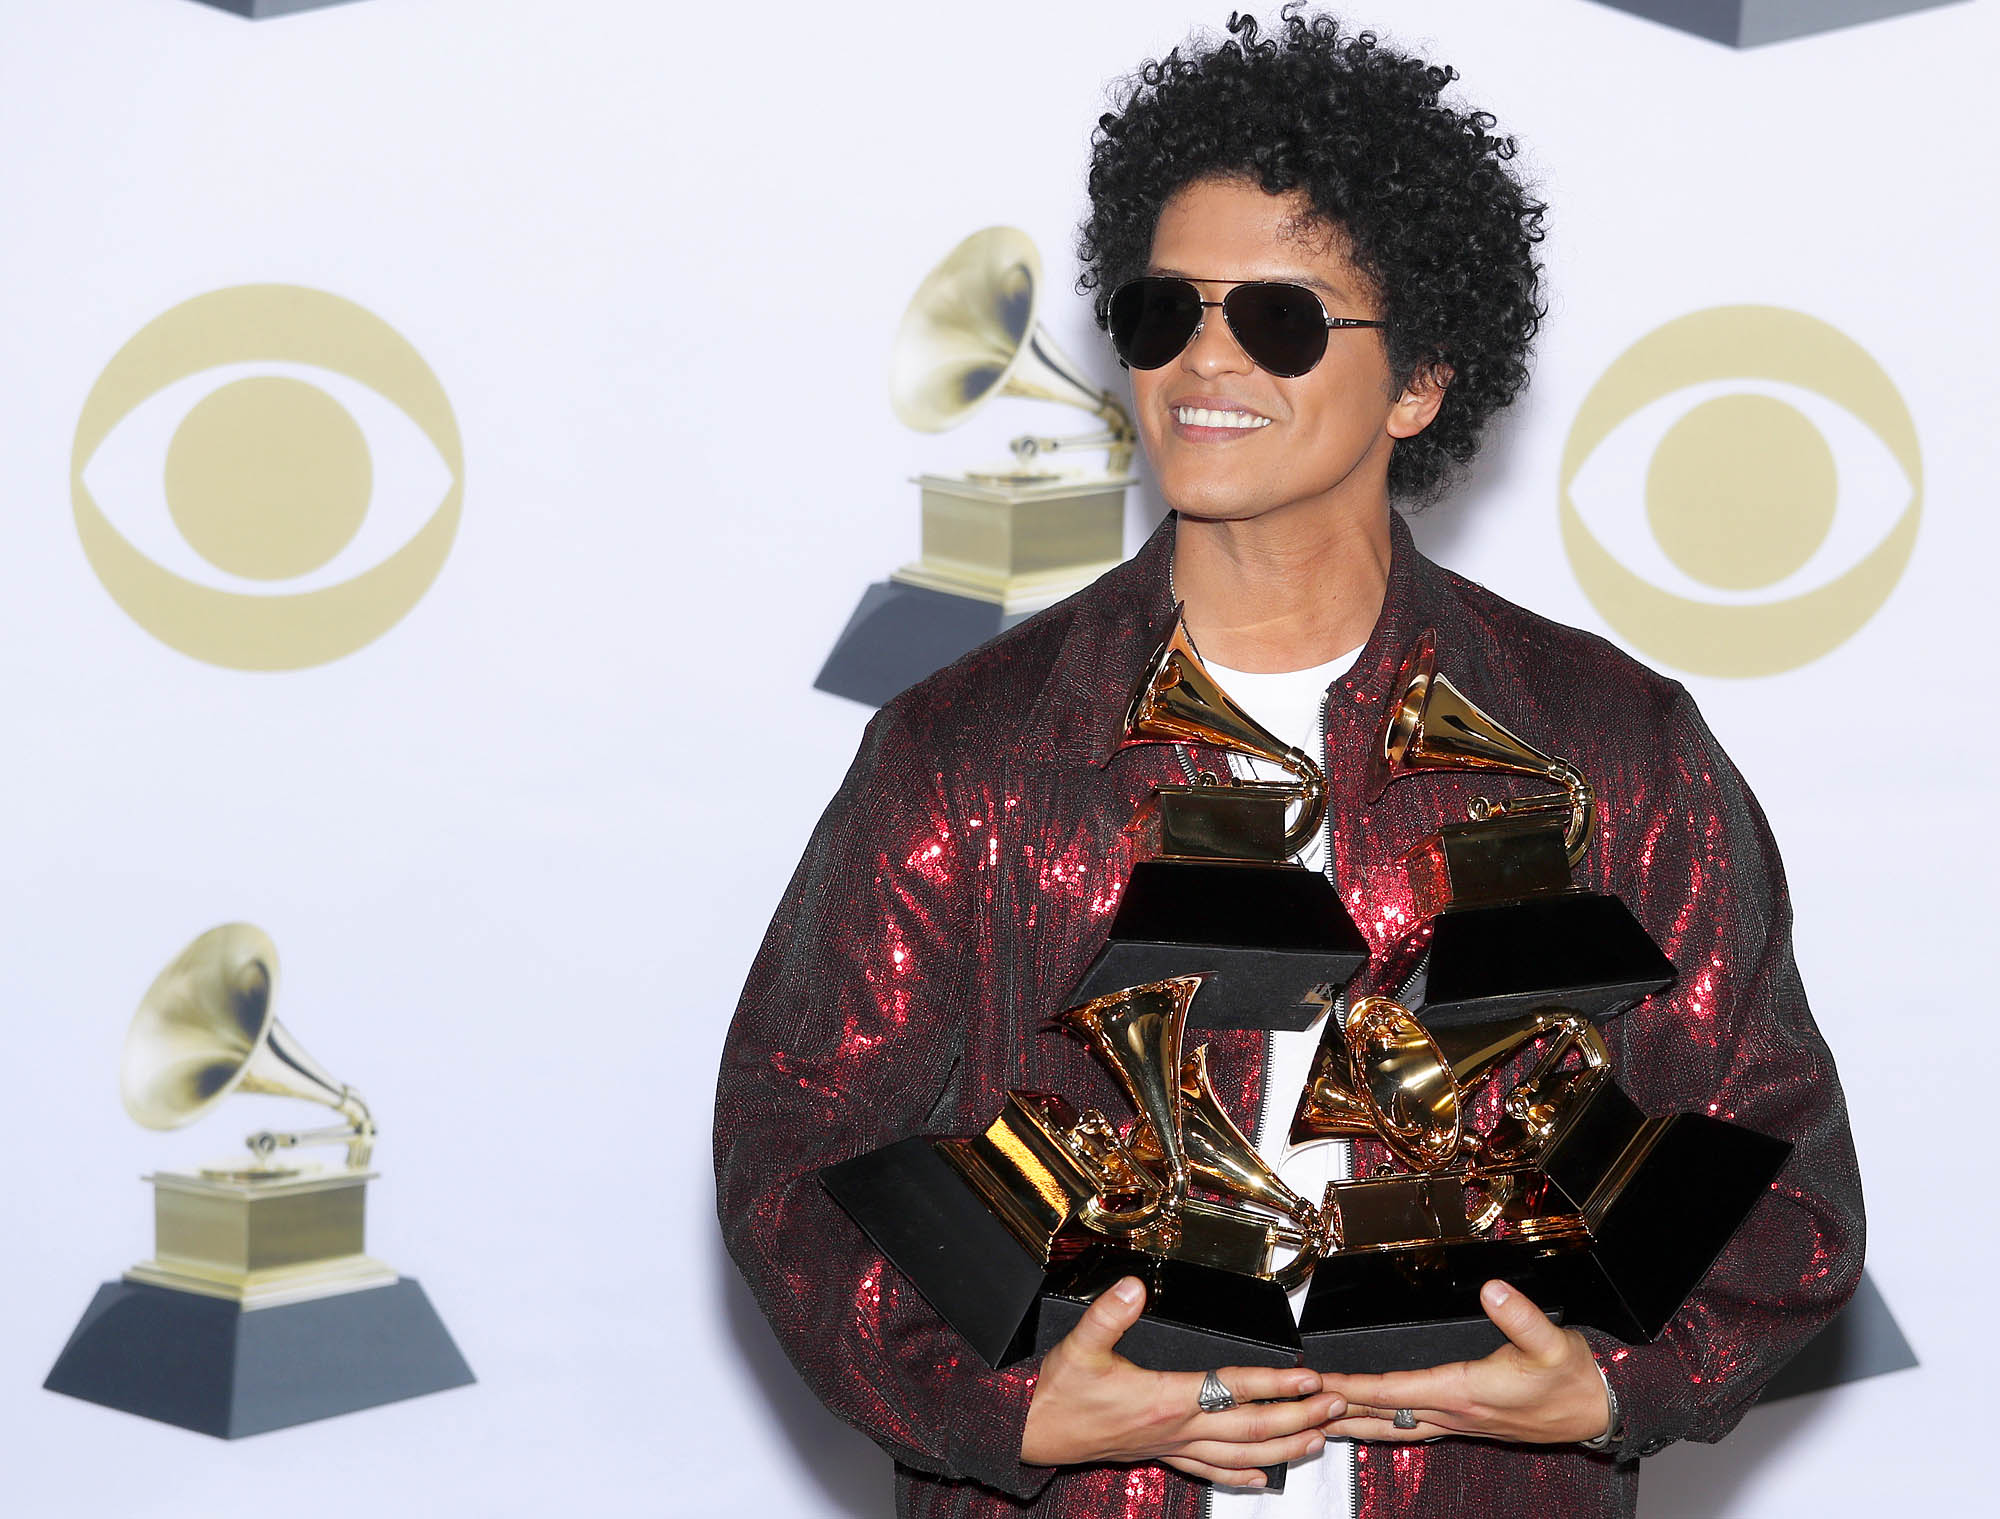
1312,281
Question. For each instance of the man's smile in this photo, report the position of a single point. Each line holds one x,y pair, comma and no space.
1211,418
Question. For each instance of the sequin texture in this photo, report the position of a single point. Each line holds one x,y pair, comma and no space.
964,876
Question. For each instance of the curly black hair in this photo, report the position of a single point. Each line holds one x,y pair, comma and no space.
1420,191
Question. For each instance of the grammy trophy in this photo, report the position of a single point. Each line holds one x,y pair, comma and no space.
259,1307
1502,926
1218,890
997,543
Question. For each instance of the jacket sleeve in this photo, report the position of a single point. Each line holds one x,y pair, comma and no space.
1735,1038
857,1007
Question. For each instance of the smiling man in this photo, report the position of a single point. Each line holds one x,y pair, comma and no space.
1322,276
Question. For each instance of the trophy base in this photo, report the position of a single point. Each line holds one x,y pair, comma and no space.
207,1364
901,633
1196,1318
261,10
1407,1310
1673,1208
1573,949
1006,1304
1278,935
933,1227
1753,23
261,1239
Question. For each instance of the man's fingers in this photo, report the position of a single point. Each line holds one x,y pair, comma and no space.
1385,1430
1399,1389
1105,1321
1262,1453
1257,1422
1514,1313
1260,1384
1221,1476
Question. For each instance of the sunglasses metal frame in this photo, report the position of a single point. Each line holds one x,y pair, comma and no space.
1222,305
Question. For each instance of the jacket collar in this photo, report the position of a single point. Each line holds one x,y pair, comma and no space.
1121,620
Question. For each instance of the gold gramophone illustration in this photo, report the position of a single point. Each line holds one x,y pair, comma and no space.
1217,889
997,543
260,1306
1501,920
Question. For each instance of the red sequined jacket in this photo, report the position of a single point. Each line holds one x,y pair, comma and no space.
965,874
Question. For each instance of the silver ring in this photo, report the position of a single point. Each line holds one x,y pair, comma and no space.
1406,1418
1214,1397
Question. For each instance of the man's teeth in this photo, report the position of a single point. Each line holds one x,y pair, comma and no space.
1201,416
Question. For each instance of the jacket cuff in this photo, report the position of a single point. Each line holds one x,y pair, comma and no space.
985,1445
1649,1382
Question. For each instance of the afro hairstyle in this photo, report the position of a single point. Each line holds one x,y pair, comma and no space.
1420,193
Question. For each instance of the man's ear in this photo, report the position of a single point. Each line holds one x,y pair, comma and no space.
1418,404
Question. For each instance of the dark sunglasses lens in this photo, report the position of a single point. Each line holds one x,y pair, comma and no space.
1281,327
1152,320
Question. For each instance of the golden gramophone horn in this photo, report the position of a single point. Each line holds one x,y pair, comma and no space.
1219,1152
1222,1156
1178,701
1416,1083
971,333
1137,1032
205,1029
1432,725
1548,1093
1332,1105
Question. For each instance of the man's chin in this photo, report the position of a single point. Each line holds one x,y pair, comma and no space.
1219,505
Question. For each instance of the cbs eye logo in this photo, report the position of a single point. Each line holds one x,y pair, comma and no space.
267,477
1741,491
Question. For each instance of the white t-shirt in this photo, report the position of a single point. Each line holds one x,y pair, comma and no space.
1292,706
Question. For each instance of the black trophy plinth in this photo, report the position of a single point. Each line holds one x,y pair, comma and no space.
1277,934
210,1365
1196,1318
937,1231
1006,1304
1663,1197
1404,1310
1574,949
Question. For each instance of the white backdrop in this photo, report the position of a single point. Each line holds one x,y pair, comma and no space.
516,853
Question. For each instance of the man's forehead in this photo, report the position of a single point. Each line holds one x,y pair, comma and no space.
1241,222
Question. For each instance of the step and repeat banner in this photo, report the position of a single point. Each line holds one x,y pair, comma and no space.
448,443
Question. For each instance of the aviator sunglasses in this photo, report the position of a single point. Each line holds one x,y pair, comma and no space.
1280,327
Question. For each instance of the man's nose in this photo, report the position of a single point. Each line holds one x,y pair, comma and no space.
1213,349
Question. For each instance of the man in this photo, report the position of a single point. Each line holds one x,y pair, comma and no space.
1323,280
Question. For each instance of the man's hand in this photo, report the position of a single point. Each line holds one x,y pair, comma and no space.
1091,1404
1541,1388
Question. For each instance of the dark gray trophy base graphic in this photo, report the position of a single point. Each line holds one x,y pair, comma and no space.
205,1364
1862,1341
1751,23
901,633
263,10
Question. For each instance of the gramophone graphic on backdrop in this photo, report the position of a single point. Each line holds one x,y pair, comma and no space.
998,543
260,1308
